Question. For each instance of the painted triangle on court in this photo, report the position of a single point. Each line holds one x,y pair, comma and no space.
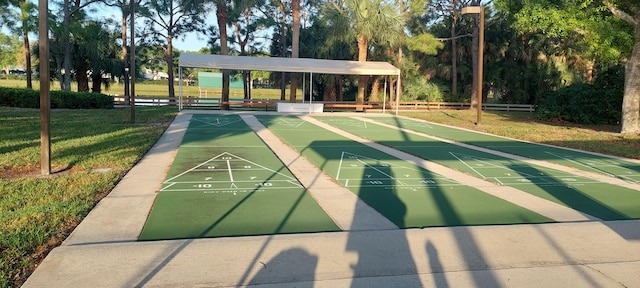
227,171
291,122
357,170
217,121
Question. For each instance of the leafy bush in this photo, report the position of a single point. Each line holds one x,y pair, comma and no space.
27,98
599,103
421,89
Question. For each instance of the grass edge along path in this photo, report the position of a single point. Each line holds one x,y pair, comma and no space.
225,181
393,186
585,195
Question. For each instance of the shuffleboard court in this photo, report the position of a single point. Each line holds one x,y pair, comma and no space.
609,166
408,195
602,200
226,182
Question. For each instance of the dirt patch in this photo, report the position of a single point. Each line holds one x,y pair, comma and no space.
33,171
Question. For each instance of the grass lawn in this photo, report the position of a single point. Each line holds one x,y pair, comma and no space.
37,213
158,88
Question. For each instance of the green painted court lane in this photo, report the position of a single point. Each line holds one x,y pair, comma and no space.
225,181
407,195
602,200
610,166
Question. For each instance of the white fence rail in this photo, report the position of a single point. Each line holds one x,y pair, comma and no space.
215,103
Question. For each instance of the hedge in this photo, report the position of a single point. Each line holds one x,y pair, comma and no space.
27,98
600,103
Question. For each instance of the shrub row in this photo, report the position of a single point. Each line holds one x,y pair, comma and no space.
27,98
597,103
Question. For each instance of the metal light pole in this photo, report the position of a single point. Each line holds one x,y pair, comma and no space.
478,10
45,101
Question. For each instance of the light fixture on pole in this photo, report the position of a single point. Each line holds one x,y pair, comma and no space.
478,10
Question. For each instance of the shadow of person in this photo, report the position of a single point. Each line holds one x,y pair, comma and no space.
382,252
293,265
436,266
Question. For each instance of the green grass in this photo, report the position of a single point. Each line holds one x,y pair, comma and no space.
158,88
37,213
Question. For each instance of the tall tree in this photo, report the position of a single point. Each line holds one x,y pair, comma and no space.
451,9
22,23
8,46
124,7
629,11
222,16
174,18
245,24
365,19
280,21
295,45
69,8
585,26
27,18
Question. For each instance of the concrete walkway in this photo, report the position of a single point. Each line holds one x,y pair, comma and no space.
103,251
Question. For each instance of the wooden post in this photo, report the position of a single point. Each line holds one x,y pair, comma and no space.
45,102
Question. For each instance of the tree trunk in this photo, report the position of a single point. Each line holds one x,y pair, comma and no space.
454,56
631,102
27,48
339,85
246,85
474,57
125,58
83,80
66,84
295,44
399,81
589,71
375,88
222,15
96,84
169,59
27,55
363,46
283,53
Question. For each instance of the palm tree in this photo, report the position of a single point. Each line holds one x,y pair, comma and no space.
365,18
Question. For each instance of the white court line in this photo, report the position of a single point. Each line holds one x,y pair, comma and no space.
465,163
229,169
165,188
218,120
340,166
381,172
581,164
292,125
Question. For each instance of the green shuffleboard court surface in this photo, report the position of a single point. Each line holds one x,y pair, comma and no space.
408,195
224,181
602,200
610,166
